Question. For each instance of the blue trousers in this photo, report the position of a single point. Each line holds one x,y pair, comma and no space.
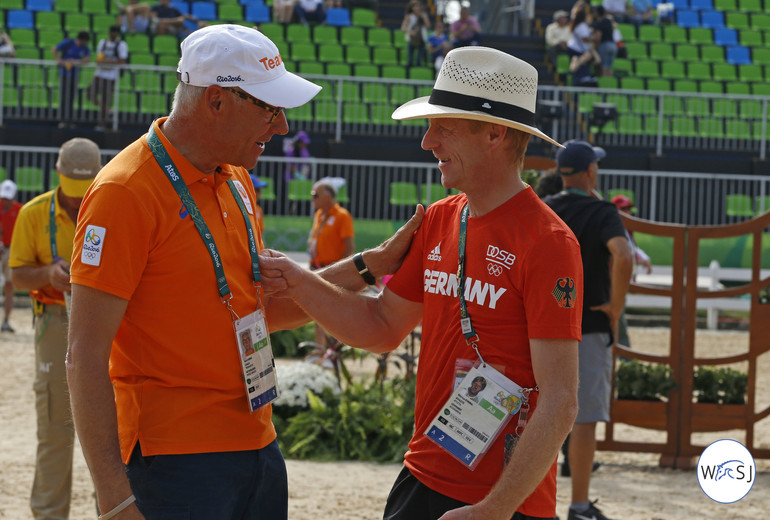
236,485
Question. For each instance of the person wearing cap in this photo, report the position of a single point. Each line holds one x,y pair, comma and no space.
9,211
258,185
557,35
39,262
166,249
70,54
603,243
626,205
110,52
516,266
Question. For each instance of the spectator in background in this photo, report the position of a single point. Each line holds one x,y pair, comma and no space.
40,259
134,17
70,54
297,147
310,11
583,56
283,10
603,33
641,12
258,185
617,9
557,35
466,30
582,39
9,210
438,44
7,50
110,52
641,258
331,237
167,19
415,26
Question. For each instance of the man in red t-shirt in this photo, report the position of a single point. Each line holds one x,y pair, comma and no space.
496,279
9,210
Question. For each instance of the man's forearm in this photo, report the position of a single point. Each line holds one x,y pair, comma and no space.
30,277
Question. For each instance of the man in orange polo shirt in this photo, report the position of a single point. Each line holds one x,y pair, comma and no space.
39,262
166,278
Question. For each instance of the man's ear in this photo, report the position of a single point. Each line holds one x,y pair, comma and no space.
213,97
497,134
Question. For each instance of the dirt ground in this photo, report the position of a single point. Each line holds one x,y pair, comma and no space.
629,486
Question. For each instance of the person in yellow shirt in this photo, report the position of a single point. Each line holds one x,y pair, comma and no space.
40,255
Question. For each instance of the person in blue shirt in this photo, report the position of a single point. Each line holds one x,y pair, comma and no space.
438,44
70,54
642,12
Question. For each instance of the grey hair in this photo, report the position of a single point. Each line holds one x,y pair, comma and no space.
186,98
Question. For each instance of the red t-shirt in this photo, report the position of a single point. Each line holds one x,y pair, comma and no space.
515,257
8,220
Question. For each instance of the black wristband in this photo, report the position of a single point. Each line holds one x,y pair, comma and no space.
358,260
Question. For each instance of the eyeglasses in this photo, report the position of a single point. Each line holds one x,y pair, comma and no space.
314,194
261,104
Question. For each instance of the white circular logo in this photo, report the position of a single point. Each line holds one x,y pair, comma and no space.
726,471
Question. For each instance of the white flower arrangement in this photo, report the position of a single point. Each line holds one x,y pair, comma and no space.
294,380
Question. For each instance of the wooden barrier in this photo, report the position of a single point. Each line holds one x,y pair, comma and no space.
680,417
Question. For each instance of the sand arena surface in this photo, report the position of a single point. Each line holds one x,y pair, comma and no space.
630,486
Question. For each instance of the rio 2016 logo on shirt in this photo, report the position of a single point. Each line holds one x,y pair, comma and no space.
726,471
93,243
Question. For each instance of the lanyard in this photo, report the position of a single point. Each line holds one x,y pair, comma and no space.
170,169
576,191
52,227
471,338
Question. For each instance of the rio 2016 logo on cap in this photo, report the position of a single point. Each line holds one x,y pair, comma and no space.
726,471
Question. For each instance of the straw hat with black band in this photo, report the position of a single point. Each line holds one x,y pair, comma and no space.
482,84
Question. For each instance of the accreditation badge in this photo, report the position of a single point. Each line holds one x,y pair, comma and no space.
475,413
257,360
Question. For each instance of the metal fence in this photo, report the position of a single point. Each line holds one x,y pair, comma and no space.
653,122
369,193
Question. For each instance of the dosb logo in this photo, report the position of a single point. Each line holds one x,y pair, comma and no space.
726,471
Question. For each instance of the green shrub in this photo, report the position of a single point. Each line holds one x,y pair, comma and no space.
284,342
643,381
366,422
719,385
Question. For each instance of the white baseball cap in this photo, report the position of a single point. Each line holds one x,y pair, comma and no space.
8,189
236,56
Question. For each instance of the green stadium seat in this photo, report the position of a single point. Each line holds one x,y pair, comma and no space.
760,21
362,17
726,5
750,38
628,31
303,51
375,93
607,82
659,85
399,39
424,73
355,112
737,21
661,51
735,87
760,89
683,126
724,72
698,70
737,129
381,114
646,69
750,109
762,204
620,101
750,73
138,42
711,127
325,111
686,52
653,125
366,70
752,6
629,83
636,51
310,67
167,60
10,96
674,34
92,6
760,56
325,34
620,67
328,90
672,70
712,54
101,23
338,69
711,87
28,53
298,33
379,37
650,33
165,44
403,193
48,38
331,53
127,102
231,13
672,106
685,85
630,124
352,36
393,71
268,192
701,36
644,105
697,106
75,22
30,75
721,107
48,20
385,56
68,6
357,54
351,91
29,179
586,102
299,189
141,58
400,94
170,81
739,205
432,193
274,31
23,37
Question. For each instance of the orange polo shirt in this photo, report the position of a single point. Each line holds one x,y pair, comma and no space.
175,362
330,234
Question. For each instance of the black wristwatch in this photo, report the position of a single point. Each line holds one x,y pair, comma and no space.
358,260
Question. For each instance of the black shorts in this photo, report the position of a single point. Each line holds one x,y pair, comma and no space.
410,499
